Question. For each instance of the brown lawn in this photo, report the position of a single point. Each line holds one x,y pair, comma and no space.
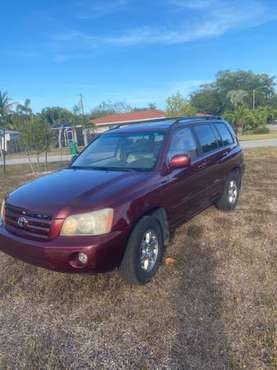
216,308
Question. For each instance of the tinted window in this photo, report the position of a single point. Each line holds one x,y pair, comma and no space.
206,137
218,137
183,143
225,134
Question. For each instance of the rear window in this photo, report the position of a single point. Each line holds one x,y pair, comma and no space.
206,137
227,138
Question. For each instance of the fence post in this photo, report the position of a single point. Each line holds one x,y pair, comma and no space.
4,151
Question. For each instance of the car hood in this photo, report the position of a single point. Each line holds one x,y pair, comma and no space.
76,189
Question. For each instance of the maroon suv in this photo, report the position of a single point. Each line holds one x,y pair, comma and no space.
119,201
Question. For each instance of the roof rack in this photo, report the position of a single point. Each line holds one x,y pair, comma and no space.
129,123
175,120
204,117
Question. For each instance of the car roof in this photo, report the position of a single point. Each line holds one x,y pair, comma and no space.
161,124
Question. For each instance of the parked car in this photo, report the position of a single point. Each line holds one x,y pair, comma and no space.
119,201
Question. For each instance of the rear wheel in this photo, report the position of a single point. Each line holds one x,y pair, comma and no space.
143,253
230,196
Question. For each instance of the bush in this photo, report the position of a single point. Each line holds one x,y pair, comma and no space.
261,130
246,120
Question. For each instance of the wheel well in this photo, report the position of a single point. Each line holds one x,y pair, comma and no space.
160,215
237,170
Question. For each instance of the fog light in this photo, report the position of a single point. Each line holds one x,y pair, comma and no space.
83,258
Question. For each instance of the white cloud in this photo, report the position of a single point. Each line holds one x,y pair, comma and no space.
199,19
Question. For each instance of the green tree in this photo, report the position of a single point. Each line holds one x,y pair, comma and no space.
6,105
215,97
207,100
237,97
151,106
108,107
245,119
177,105
36,136
57,116
42,137
25,108
263,84
240,118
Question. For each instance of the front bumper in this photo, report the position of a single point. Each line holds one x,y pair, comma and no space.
104,252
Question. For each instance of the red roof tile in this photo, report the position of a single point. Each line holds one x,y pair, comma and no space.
127,117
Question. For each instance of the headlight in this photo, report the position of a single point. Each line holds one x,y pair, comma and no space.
92,223
2,212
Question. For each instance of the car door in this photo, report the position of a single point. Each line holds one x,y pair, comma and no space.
210,154
183,185
228,143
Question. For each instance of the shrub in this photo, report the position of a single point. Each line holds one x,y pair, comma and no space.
261,130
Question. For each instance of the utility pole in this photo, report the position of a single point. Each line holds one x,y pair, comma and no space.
3,147
254,99
4,152
82,104
84,129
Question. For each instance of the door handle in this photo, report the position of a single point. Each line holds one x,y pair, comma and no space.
223,157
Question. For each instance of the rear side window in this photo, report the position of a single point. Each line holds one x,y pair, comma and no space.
227,138
206,137
183,143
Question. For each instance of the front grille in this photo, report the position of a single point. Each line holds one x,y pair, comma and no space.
27,224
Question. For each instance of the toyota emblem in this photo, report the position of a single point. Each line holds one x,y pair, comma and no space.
22,221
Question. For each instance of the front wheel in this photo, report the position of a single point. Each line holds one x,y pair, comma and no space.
230,197
143,253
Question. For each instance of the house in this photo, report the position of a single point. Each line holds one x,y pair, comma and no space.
112,120
9,141
65,133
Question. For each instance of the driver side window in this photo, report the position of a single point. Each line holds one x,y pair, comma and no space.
183,142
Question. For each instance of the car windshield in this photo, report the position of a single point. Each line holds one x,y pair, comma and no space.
124,151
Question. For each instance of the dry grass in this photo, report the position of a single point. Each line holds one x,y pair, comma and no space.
214,309
271,135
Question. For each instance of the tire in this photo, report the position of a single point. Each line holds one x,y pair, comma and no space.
145,237
230,197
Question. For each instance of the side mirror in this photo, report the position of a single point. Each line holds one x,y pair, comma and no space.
179,161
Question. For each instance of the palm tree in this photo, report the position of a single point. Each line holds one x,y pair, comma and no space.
25,108
5,110
5,106
237,97
240,118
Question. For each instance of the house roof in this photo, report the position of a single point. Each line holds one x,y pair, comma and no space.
121,118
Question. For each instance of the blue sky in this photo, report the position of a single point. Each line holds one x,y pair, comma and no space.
137,51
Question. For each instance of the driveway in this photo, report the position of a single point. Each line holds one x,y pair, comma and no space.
58,158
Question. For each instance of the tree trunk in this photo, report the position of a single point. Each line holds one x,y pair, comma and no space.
30,162
46,159
60,138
